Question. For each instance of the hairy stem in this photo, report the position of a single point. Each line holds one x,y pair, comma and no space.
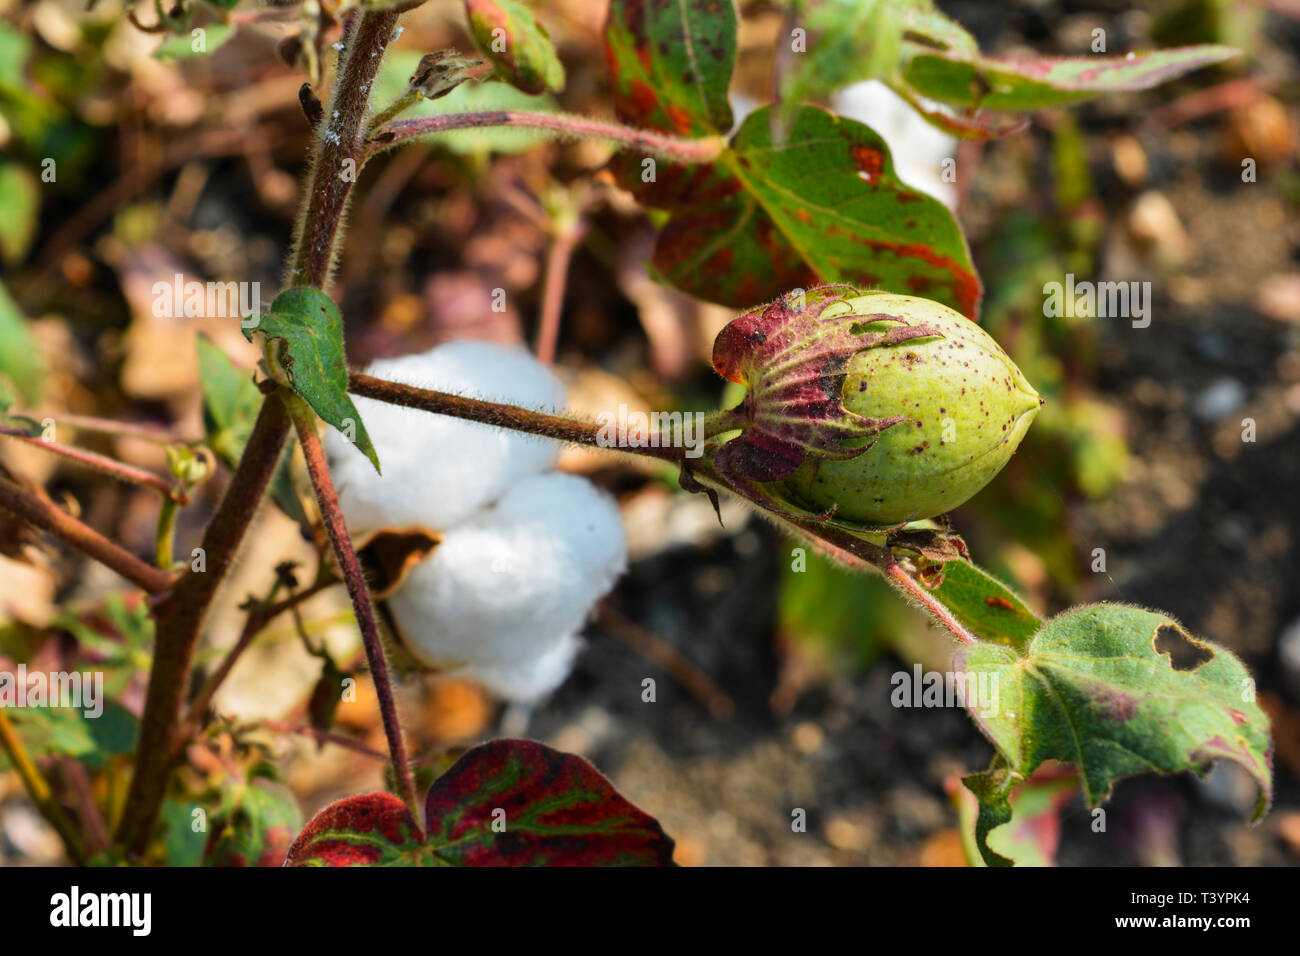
104,465
39,790
304,421
46,516
505,416
179,620
701,150
339,152
915,591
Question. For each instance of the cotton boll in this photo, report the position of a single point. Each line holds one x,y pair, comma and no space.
502,598
917,148
440,470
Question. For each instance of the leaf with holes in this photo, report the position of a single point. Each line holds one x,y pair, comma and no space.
305,326
669,63
1028,83
508,33
505,803
1115,690
827,205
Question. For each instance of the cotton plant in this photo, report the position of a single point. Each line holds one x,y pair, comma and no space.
524,551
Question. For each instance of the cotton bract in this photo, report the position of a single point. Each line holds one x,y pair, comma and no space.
525,551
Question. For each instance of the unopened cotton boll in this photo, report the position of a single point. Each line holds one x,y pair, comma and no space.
503,596
440,470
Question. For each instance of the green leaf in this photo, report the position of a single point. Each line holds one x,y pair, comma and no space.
670,63
510,36
986,606
505,803
1028,83
20,360
231,402
838,614
826,206
199,41
184,842
1032,835
1115,690
20,201
254,826
309,329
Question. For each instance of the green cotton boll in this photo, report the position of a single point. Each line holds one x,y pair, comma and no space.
876,408
967,407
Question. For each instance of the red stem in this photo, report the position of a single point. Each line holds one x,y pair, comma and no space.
179,619
557,273
87,540
104,465
304,420
703,150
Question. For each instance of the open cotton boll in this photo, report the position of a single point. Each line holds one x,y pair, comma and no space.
917,148
503,596
440,470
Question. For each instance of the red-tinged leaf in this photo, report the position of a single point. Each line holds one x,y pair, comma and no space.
1026,83
519,803
823,206
508,34
669,63
505,803
372,829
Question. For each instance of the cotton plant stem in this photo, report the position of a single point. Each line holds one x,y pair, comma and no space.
164,543
501,415
324,736
848,548
700,150
339,151
105,426
254,624
39,790
557,273
48,517
104,465
179,618
304,421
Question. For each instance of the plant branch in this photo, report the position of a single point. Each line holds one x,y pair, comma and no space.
39,790
304,421
179,618
502,415
557,272
700,150
917,592
257,620
324,736
104,465
46,516
339,151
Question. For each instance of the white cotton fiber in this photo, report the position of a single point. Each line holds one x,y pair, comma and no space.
439,470
504,595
